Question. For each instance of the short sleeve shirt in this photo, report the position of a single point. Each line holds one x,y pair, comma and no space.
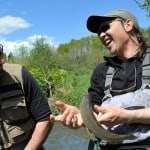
37,103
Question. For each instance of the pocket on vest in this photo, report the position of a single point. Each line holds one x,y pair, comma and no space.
14,110
21,132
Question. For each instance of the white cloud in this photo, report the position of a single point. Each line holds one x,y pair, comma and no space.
9,24
11,46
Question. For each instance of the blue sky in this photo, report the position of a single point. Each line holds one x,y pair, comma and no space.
21,21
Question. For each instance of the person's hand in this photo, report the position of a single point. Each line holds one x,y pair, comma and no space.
111,116
71,116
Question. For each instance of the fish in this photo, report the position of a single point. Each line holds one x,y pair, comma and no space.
95,127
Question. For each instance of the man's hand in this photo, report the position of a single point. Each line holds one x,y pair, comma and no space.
71,116
111,116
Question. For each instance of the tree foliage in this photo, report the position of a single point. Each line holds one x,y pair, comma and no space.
82,54
144,4
41,56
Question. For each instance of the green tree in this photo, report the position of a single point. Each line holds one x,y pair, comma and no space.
144,4
11,58
41,56
22,54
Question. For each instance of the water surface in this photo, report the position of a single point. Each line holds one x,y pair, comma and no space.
63,138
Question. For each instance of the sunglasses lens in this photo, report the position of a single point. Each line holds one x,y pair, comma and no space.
1,48
103,28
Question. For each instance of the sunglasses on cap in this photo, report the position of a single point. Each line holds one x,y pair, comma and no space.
106,25
1,48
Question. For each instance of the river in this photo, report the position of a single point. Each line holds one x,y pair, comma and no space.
63,138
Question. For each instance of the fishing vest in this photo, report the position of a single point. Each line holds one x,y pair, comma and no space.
16,125
145,73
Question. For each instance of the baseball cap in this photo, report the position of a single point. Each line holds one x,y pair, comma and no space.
93,22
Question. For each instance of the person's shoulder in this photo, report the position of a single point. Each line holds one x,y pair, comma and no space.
12,67
101,65
14,71
100,68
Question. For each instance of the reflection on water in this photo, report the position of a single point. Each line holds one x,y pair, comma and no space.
63,138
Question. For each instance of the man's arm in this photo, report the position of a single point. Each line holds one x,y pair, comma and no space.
115,115
139,116
40,133
39,110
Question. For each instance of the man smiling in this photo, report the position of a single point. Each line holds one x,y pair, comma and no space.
119,31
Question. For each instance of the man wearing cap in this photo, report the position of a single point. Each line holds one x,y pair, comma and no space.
119,31
24,110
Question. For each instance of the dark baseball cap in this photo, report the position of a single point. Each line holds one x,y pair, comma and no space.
93,22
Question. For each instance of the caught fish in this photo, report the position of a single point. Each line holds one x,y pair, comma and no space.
95,127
